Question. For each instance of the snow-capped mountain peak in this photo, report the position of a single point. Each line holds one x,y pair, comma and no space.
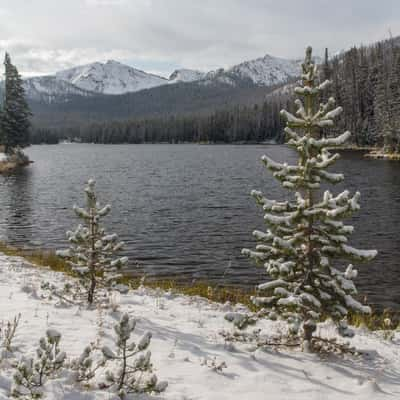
186,75
111,77
267,70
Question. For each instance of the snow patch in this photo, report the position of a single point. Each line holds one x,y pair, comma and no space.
180,344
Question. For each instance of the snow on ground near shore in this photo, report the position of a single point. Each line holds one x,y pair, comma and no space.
185,330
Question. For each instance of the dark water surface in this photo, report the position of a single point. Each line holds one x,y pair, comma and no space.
185,210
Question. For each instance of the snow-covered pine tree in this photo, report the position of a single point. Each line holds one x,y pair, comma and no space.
15,115
135,371
382,104
92,254
32,373
307,233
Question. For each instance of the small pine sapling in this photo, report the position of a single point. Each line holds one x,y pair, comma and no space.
8,333
66,295
92,251
307,233
32,373
134,376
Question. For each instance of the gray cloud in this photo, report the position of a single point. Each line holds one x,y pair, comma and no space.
46,35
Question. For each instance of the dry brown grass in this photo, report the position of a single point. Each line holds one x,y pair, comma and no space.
40,258
378,320
354,147
6,166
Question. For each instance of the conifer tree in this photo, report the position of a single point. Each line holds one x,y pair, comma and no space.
32,373
326,72
306,234
92,251
394,102
15,115
135,371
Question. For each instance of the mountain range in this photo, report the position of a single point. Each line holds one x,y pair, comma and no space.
115,78
114,91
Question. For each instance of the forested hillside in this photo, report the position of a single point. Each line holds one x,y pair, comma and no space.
163,101
366,82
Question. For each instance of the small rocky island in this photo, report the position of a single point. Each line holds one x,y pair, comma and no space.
16,159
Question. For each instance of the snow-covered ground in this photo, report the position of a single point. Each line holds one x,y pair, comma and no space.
185,334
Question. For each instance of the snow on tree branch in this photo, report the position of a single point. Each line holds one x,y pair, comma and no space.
92,250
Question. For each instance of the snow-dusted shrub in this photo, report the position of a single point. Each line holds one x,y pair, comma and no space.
7,333
132,371
32,373
240,320
69,294
213,363
307,233
85,366
92,252
332,345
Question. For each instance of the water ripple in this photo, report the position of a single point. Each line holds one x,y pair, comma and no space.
185,210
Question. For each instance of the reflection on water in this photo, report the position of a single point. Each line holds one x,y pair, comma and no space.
185,210
16,212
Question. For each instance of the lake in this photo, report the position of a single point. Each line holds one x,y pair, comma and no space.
185,210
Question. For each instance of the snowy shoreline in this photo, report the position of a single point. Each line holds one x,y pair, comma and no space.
185,339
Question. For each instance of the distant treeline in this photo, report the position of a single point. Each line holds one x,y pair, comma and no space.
365,82
44,136
240,124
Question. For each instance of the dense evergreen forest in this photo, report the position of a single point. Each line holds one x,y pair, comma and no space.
240,124
181,99
365,81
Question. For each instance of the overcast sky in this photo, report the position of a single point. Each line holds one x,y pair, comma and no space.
44,36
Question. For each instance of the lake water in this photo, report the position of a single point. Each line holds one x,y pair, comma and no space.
185,210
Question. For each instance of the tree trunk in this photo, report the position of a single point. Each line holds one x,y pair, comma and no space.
123,372
91,260
92,289
308,328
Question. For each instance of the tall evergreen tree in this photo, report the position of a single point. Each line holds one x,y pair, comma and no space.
394,101
306,234
326,68
15,116
365,120
382,109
